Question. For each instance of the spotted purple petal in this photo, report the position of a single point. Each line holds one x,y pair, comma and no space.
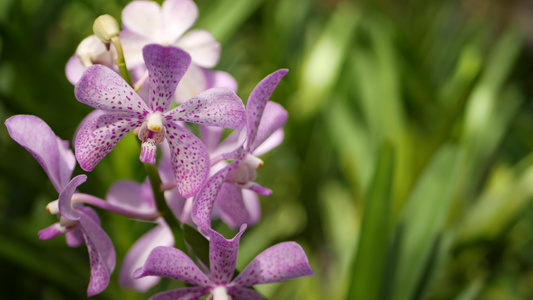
102,88
223,256
257,102
51,152
65,197
172,263
191,293
231,205
166,66
280,262
214,107
274,117
99,136
189,158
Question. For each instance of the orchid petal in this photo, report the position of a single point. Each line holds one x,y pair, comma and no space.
257,102
36,136
223,256
189,158
210,136
197,80
251,201
138,253
202,46
280,262
270,143
274,117
101,254
132,45
131,196
172,263
74,69
178,16
166,66
74,238
65,197
243,293
143,18
51,231
256,187
102,88
205,199
231,205
99,136
190,293
214,107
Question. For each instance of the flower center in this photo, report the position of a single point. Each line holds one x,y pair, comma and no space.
246,170
220,293
151,133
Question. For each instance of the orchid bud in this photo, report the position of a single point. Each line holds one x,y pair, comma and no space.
106,27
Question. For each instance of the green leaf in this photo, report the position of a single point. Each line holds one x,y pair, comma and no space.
198,243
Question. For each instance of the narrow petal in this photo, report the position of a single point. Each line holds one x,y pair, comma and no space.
132,196
99,136
198,79
138,253
231,205
178,16
257,102
166,66
143,18
202,46
65,197
101,254
51,231
36,136
172,263
214,107
251,201
256,187
102,88
274,140
223,256
243,294
274,117
205,199
280,262
189,158
191,293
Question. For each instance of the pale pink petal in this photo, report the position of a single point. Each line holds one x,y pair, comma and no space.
99,136
166,66
178,16
138,253
189,158
143,18
102,88
274,117
231,205
243,294
274,140
251,201
132,46
280,262
197,80
51,231
172,263
202,46
65,197
214,107
223,256
257,102
191,293
36,136
256,187
74,238
132,196
74,69
211,135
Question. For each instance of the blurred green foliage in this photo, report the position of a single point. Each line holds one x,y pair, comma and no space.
443,211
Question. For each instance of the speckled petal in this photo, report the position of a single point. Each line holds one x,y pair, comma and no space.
138,253
101,254
172,263
143,18
65,197
189,158
257,102
223,256
202,46
205,199
102,88
214,107
280,262
51,152
178,16
191,293
274,117
231,205
243,294
166,66
99,136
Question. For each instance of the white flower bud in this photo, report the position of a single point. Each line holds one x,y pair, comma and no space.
106,27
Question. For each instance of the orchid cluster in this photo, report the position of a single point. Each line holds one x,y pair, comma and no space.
152,79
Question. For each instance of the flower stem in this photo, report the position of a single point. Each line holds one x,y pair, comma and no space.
162,207
120,62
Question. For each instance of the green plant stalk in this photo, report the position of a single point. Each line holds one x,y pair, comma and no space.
164,210
120,62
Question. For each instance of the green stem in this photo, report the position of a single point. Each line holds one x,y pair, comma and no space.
162,207
120,62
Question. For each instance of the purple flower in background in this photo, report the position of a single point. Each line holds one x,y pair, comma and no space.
264,122
280,262
102,88
79,223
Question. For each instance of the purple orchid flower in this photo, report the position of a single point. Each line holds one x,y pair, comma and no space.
280,262
77,222
265,120
102,88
